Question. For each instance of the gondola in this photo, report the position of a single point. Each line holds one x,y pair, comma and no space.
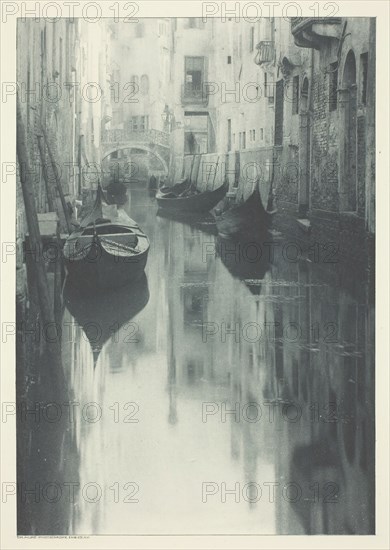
116,193
101,315
191,201
108,249
202,221
247,220
176,189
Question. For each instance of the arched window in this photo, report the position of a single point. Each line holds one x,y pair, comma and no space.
144,87
348,145
304,95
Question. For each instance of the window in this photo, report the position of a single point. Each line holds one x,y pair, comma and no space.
243,140
28,92
162,28
139,30
252,39
253,135
268,89
144,123
114,85
261,134
60,69
234,140
54,54
196,132
229,59
229,131
333,78
279,99
363,77
134,123
304,96
195,23
144,87
194,67
295,95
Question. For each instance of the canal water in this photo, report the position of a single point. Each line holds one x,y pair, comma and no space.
226,393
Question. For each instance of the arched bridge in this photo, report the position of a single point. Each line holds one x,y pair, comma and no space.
153,141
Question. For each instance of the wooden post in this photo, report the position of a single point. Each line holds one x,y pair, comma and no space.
52,368
32,221
49,194
58,182
58,281
80,163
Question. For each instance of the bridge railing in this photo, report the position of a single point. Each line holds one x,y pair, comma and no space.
122,135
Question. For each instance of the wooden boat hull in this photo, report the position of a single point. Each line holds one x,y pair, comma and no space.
245,221
108,249
107,270
176,189
108,260
202,202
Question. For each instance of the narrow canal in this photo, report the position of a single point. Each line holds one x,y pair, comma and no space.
208,404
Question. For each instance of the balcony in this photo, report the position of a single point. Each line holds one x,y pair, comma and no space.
126,136
314,32
265,52
191,95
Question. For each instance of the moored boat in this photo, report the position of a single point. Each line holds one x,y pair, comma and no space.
191,201
176,189
116,193
247,220
106,251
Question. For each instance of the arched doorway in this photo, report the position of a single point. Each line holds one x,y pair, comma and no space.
348,153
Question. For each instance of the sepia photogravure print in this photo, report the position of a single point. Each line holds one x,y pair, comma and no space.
195,271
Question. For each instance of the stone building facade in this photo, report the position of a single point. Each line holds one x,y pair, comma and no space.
292,103
62,91
136,140
332,121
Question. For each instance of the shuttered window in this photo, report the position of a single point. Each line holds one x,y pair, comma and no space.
279,100
333,78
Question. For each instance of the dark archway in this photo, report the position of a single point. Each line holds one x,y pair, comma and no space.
132,166
348,142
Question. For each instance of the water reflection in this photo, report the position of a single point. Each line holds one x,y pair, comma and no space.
103,314
231,410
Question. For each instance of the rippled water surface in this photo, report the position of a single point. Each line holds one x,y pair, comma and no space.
225,405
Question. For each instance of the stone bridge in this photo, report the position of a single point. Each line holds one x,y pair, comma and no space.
153,141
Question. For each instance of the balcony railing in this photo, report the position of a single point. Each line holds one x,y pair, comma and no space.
312,32
265,52
119,135
194,95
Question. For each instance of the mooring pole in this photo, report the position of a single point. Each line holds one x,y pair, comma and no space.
58,182
49,194
58,280
32,221
52,368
